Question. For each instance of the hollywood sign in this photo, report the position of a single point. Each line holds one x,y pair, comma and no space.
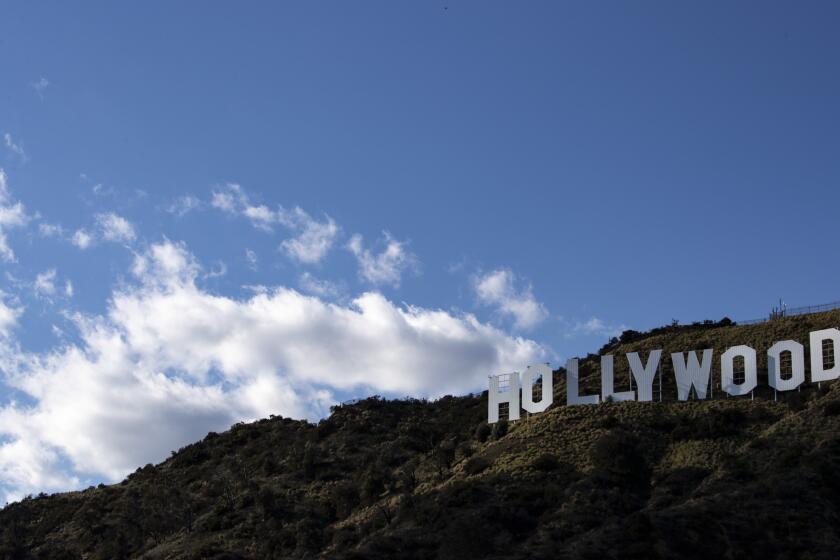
689,371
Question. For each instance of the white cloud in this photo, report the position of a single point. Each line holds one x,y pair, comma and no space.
8,317
232,199
169,362
15,147
45,283
498,289
183,205
50,230
596,326
27,464
252,259
115,228
6,252
261,216
123,196
109,227
81,239
101,190
40,86
11,216
229,198
165,266
314,238
220,270
386,267
315,286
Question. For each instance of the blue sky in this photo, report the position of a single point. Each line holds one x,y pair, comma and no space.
271,207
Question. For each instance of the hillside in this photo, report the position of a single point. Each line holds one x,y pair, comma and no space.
729,478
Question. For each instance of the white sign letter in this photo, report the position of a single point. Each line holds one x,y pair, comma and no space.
547,388
727,371
496,397
797,365
644,375
818,371
573,386
692,374
608,383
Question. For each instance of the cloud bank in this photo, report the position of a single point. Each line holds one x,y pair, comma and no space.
170,361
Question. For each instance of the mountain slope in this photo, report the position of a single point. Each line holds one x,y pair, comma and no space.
735,478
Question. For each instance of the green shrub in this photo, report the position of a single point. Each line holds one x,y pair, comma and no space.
500,429
608,422
831,408
483,432
344,498
476,465
616,456
546,462
466,450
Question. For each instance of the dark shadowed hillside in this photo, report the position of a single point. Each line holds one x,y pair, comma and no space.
728,478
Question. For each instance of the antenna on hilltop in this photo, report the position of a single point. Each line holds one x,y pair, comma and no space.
779,311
